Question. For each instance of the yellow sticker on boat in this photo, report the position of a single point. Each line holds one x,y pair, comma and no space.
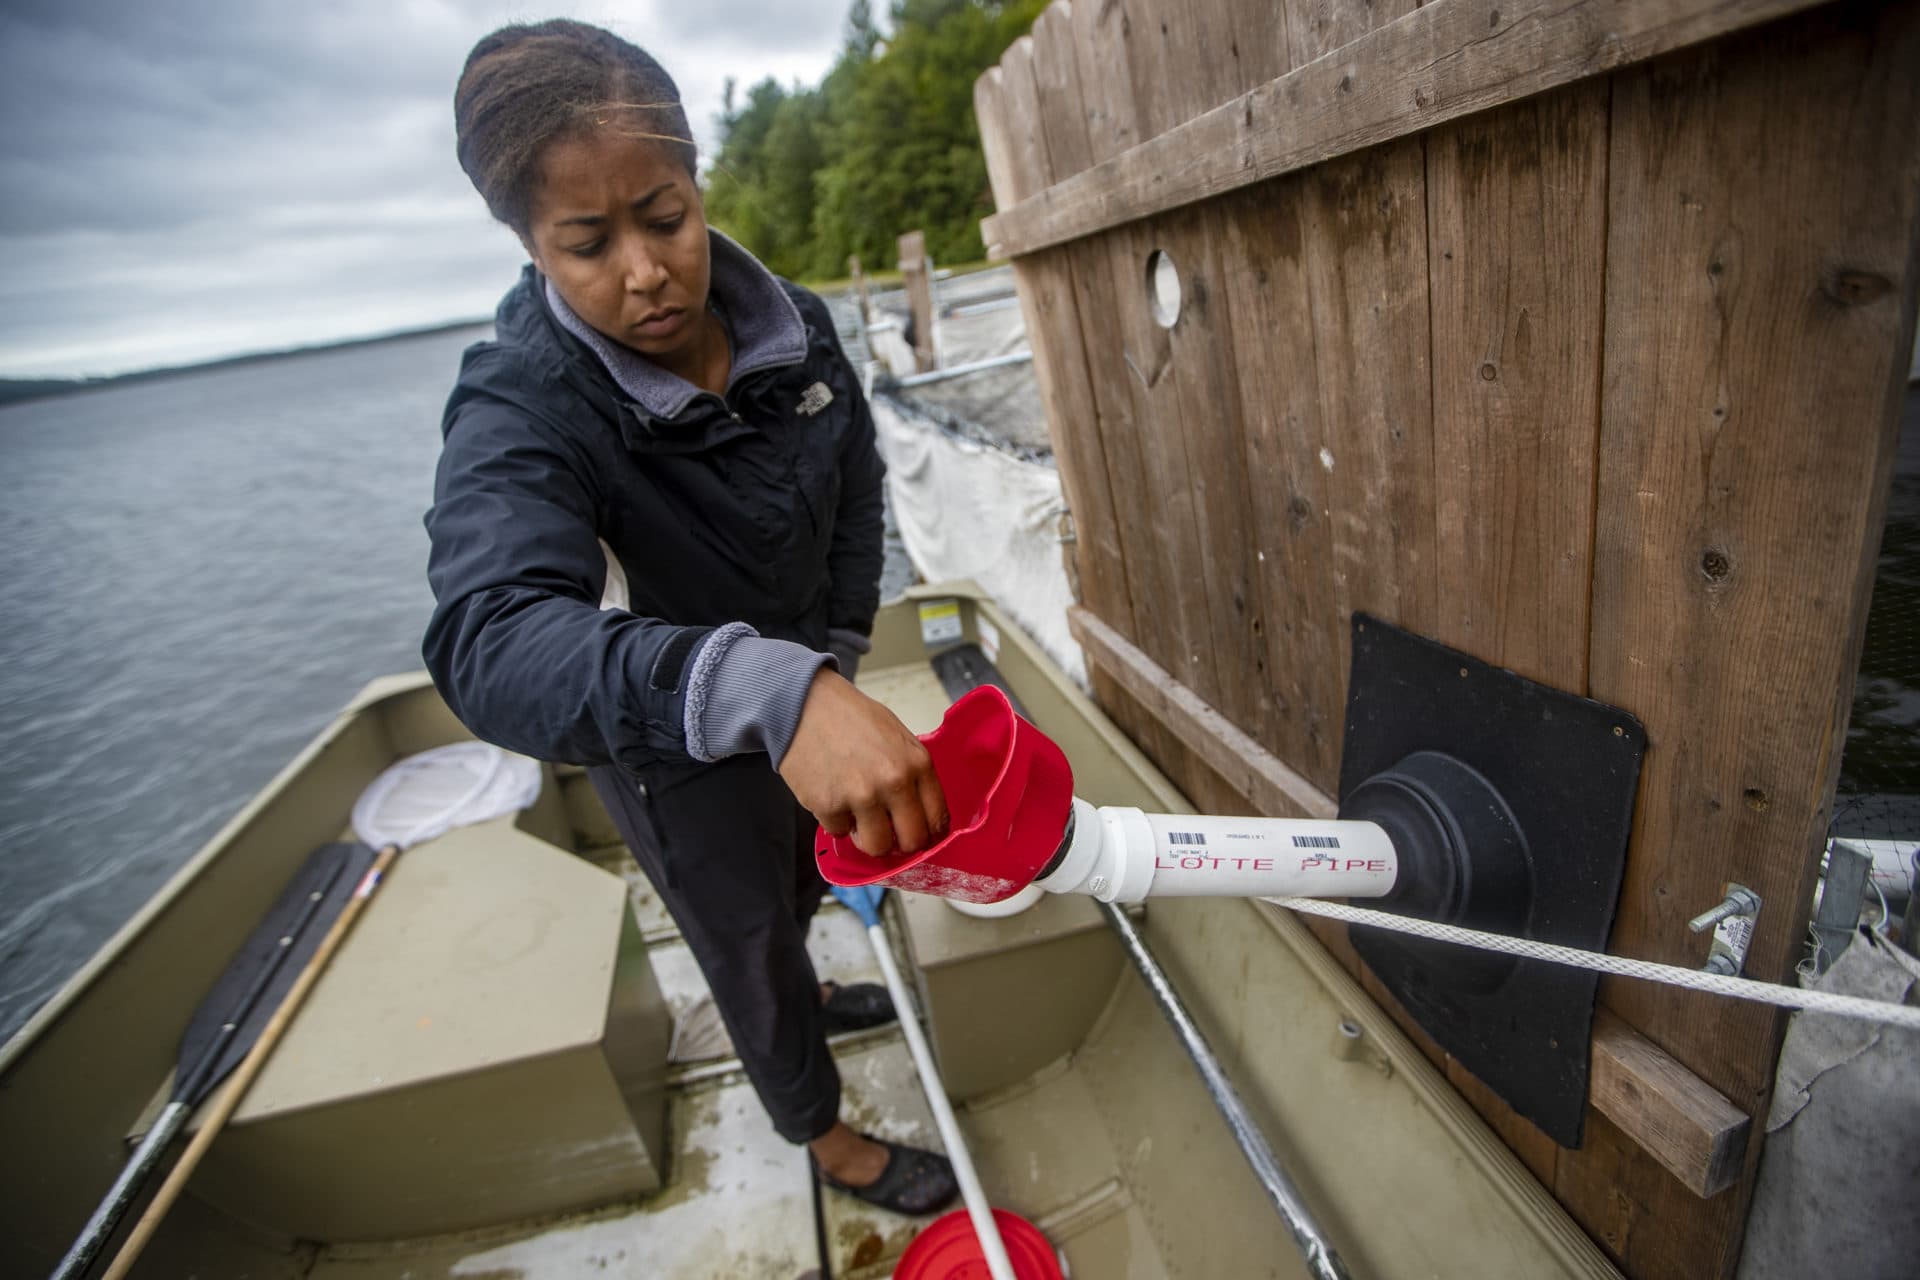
939,622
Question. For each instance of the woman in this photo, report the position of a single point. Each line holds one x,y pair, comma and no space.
656,549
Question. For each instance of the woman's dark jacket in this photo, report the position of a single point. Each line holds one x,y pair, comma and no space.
763,507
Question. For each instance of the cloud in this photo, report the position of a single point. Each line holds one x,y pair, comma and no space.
751,26
200,177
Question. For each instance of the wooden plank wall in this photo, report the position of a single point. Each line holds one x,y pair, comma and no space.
1599,385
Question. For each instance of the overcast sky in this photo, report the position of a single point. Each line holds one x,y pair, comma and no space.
186,179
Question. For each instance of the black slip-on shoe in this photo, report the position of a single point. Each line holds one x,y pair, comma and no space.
915,1182
856,1006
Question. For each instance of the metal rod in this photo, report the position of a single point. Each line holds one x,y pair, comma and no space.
1322,1261
961,370
126,1187
993,1249
1002,303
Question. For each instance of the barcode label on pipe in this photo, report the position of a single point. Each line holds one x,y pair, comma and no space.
1186,837
1316,842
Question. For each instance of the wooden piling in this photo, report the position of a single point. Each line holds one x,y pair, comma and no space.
917,268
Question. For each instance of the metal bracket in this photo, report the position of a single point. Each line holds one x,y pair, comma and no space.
1732,923
1842,890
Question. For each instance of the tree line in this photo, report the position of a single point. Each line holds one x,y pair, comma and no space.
886,143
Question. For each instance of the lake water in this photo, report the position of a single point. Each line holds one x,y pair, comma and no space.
196,573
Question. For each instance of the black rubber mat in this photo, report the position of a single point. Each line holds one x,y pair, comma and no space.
1568,769
965,667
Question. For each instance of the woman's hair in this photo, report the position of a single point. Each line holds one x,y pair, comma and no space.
527,85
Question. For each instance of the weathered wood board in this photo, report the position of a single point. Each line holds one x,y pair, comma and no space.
1570,336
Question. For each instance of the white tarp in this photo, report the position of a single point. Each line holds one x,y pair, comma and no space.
967,510
1835,1193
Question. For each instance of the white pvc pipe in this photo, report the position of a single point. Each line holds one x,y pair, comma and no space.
1120,854
998,1264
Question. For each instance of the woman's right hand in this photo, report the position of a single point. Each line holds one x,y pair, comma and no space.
858,770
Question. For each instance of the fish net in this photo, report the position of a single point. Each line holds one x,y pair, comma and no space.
429,794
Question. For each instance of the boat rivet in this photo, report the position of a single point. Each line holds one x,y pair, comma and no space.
1618,732
286,942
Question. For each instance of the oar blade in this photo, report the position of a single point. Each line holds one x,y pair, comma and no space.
244,997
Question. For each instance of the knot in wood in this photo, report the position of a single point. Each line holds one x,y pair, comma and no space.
1715,564
1855,288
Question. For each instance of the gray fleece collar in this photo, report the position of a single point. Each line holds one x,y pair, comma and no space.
765,326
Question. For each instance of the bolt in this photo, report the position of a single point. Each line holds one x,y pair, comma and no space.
1740,901
1722,963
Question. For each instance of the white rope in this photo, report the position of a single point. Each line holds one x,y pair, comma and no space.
1694,979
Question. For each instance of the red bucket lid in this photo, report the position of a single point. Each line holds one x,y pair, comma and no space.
1009,794
949,1250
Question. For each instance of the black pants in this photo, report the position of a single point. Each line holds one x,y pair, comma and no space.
731,853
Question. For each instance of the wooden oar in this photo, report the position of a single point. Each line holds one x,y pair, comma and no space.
249,1068
230,1021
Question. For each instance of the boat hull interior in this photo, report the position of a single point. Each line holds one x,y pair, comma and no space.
510,1069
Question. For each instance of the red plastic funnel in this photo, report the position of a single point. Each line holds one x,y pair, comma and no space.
1009,793
949,1250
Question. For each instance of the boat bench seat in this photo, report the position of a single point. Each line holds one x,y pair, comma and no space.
489,1044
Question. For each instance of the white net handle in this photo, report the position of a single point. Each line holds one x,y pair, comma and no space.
429,794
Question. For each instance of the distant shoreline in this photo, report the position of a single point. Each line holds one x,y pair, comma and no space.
20,390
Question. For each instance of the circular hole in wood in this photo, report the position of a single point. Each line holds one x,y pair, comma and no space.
1163,288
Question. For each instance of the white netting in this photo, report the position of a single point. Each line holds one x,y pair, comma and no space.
431,793
1673,975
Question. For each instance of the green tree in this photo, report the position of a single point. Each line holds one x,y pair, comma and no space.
735,183
885,144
